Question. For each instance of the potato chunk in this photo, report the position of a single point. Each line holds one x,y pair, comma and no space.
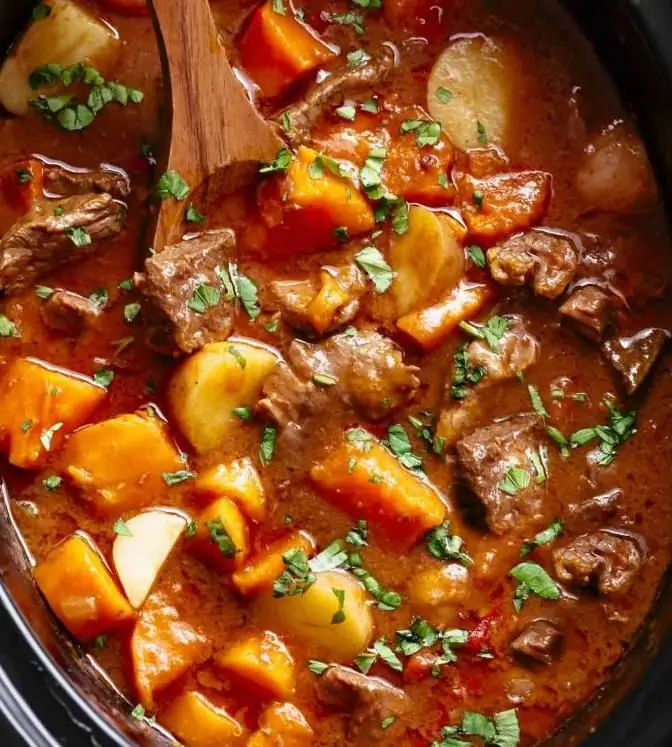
119,463
69,34
222,538
80,589
440,591
40,405
196,722
238,480
210,384
310,617
282,725
475,81
139,556
262,660
427,259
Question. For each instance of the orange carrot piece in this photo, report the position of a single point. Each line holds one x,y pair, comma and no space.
163,648
259,573
238,480
262,660
362,478
431,326
282,723
326,303
80,589
277,49
40,405
197,722
119,463
222,538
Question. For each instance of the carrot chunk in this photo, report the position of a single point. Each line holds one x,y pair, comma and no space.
282,724
238,480
163,648
40,405
259,573
21,185
277,49
262,660
431,326
193,719
361,477
222,538
80,589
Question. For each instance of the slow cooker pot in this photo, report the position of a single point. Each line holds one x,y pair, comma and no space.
51,693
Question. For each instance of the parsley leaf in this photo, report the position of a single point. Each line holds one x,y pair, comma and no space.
267,446
7,327
175,478
476,255
281,163
400,446
443,95
515,480
121,528
220,536
465,374
205,297
171,184
297,577
533,579
372,261
551,533
445,545
78,235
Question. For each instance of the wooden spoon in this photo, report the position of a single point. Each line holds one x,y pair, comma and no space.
217,137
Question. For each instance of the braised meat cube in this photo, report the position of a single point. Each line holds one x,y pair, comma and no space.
368,701
183,282
633,357
589,308
54,233
517,350
66,183
69,312
602,560
598,509
494,462
540,641
545,261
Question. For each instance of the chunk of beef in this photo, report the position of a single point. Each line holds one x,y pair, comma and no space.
294,298
54,233
540,641
596,510
69,312
633,357
296,122
546,261
175,279
366,700
605,561
590,309
66,183
486,457
517,351
365,370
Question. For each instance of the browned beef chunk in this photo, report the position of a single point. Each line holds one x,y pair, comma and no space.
54,233
365,370
69,312
368,701
605,561
296,122
517,351
487,456
633,357
598,509
176,279
293,297
540,641
545,261
590,309
65,183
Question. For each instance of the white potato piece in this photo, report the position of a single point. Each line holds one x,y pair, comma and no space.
68,35
482,77
427,259
615,174
309,616
209,385
139,556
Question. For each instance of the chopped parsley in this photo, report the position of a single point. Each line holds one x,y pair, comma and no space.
425,431
40,11
175,478
297,577
370,175
205,297
171,184
325,379
349,19
372,261
477,197
537,402
515,480
492,331
532,579
220,537
370,106
78,235
104,377
23,176
278,7
47,435
554,530
244,412
193,216
357,57
482,135
427,131
620,426
445,545
465,374
52,482
281,163
267,445
100,297
317,667
7,327
347,111
443,95
399,444
339,616
503,730
476,255
121,528
379,650
131,311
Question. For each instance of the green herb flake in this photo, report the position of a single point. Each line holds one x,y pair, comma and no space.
372,261
267,445
443,95
347,112
325,379
175,478
47,435
220,537
52,482
537,402
533,579
339,616
244,412
121,528
171,184
7,327
482,135
444,545
476,255
357,57
278,7
104,377
297,577
515,480
554,530
281,163
40,11
387,722
131,311
79,236
193,216
370,106
427,131
317,667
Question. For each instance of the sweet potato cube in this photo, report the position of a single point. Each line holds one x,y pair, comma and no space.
362,478
196,722
277,49
282,724
163,648
238,480
20,188
222,538
262,660
119,463
80,590
431,326
259,573
40,405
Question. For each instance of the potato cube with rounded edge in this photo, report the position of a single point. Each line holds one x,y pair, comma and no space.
119,463
80,590
238,480
197,722
222,538
282,725
262,660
